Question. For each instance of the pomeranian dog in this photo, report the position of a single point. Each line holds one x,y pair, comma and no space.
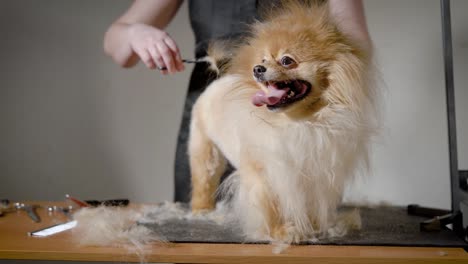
293,114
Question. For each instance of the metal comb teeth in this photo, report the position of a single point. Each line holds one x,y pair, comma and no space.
184,61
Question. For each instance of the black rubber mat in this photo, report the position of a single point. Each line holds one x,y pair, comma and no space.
386,226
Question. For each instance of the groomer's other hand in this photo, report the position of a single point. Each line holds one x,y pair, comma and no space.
155,48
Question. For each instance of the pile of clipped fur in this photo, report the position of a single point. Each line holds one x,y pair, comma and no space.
125,227
111,226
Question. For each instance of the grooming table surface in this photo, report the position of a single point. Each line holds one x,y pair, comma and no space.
381,226
15,244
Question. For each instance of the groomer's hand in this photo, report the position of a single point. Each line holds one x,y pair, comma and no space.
155,48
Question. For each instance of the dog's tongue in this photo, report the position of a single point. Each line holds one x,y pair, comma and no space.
273,96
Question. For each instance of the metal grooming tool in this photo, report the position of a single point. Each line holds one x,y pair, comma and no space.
67,211
30,209
184,61
113,202
96,203
4,203
76,201
4,206
51,230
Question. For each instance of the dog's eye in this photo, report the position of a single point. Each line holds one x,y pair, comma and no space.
287,61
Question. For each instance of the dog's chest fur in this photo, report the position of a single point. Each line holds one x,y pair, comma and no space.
242,130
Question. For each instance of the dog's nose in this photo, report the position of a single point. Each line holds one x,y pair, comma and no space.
259,70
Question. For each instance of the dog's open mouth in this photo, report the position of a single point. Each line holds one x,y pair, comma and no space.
281,94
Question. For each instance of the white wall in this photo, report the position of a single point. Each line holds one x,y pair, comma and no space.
411,162
73,122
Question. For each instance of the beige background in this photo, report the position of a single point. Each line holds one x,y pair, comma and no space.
73,122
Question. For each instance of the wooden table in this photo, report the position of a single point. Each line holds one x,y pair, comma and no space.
16,244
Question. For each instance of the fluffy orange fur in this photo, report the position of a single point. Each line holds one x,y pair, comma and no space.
292,162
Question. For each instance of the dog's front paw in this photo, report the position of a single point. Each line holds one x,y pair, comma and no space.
287,234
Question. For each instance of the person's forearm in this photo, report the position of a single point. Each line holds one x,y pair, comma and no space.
351,19
117,39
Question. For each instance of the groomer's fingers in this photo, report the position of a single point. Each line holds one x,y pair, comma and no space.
167,57
179,64
145,57
157,58
176,53
155,48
